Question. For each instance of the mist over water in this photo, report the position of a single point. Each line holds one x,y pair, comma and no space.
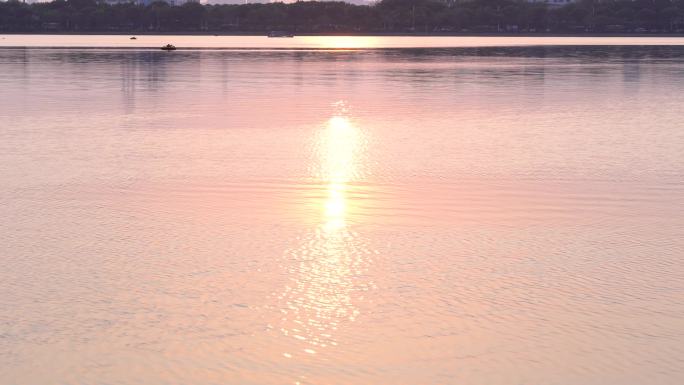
474,215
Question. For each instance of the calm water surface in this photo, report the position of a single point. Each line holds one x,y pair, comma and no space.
407,216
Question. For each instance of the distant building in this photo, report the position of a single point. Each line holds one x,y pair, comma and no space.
148,2
216,2
219,2
112,2
553,3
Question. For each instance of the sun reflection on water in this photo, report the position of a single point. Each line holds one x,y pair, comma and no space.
327,264
340,143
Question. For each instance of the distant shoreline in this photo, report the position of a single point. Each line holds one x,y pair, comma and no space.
575,18
397,34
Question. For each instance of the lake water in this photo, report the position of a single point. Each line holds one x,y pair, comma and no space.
474,215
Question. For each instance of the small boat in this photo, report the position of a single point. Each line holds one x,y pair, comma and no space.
279,34
169,47
134,38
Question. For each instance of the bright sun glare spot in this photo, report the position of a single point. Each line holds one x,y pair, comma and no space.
341,141
335,205
338,123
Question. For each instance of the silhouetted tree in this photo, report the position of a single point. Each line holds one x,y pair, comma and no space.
389,16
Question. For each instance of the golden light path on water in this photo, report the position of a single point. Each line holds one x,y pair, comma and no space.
341,142
331,257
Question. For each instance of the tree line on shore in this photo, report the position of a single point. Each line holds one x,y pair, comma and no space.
386,16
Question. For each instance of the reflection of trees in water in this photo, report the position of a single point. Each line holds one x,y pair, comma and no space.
140,70
151,71
631,75
136,70
143,74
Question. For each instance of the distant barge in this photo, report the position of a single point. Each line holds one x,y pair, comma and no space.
280,34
